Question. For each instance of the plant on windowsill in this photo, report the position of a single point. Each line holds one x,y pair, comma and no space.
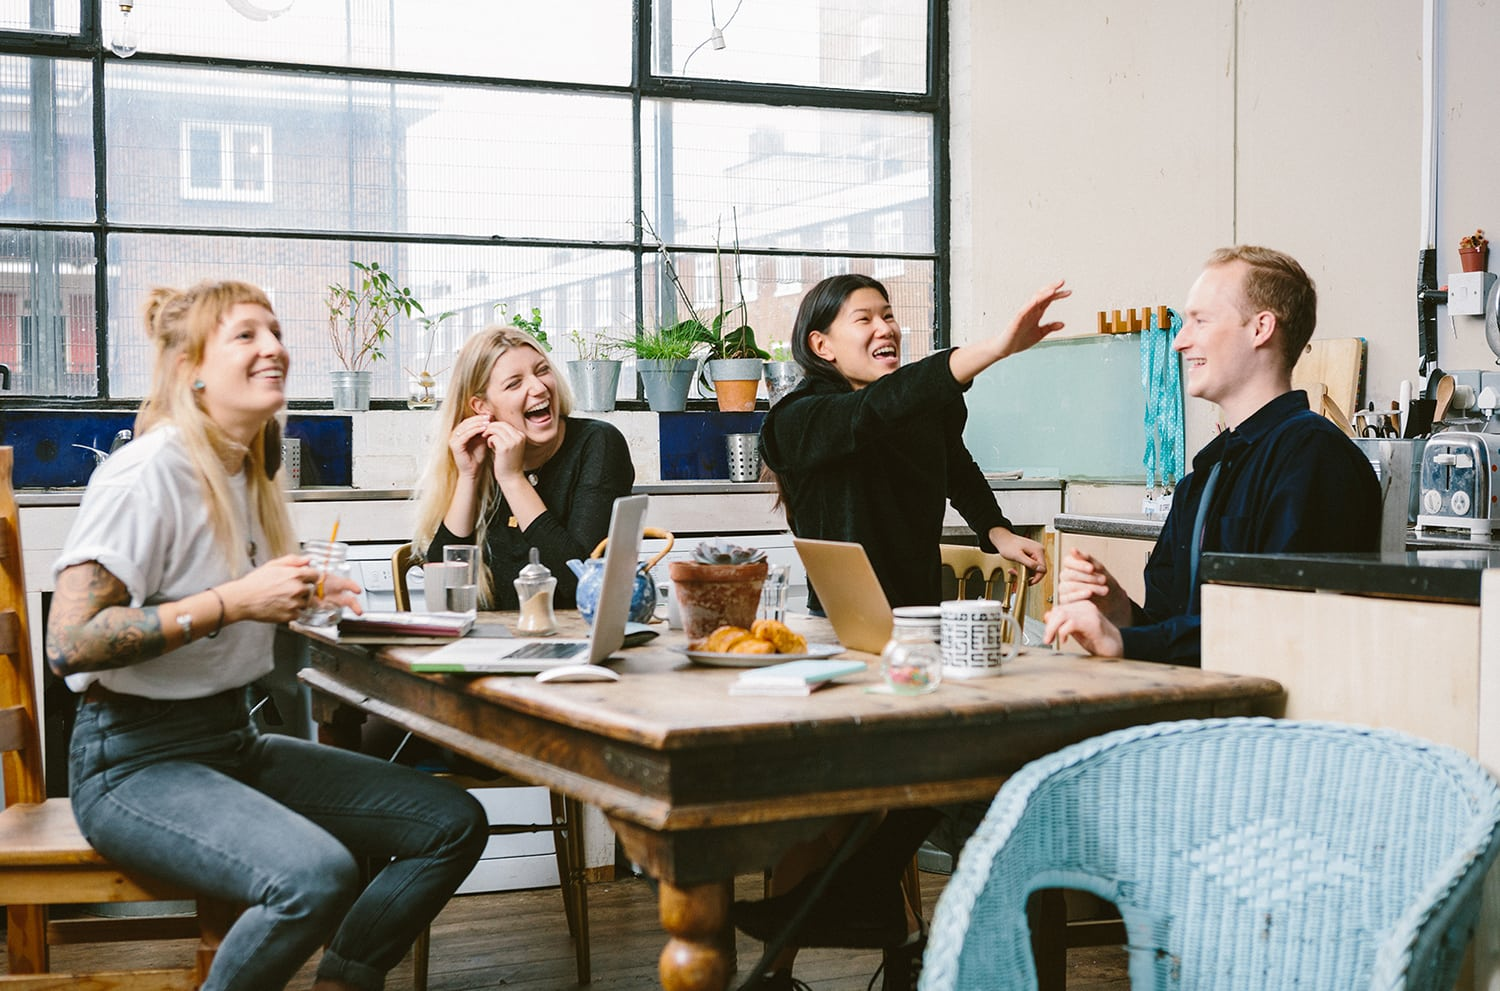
361,316
595,376
422,386
665,359
1474,252
531,325
781,372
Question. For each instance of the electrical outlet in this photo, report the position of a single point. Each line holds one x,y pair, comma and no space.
1466,293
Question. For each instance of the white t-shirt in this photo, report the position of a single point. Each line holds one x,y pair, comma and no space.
145,521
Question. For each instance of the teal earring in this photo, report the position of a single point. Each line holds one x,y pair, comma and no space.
197,385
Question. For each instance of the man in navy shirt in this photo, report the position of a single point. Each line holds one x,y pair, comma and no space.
1280,478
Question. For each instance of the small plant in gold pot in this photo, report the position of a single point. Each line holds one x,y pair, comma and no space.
1474,252
720,586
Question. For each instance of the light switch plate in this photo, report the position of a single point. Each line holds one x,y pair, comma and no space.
1467,291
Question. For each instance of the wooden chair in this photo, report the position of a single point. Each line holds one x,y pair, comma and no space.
44,859
565,827
978,575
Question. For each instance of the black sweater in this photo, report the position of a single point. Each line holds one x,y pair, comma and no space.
579,485
876,466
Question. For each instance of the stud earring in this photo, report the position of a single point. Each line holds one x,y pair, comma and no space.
198,385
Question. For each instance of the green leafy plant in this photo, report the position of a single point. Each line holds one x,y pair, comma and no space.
736,343
677,342
532,324
424,372
1476,241
779,351
360,314
720,551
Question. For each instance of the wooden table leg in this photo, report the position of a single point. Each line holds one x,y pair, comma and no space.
1047,914
695,958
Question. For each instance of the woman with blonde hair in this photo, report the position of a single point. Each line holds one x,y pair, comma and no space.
169,588
511,469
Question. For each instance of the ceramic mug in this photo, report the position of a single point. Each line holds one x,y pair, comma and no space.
974,637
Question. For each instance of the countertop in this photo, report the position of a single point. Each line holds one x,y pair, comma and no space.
1136,526
72,496
1436,574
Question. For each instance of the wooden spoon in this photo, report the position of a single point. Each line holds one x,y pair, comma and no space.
1444,396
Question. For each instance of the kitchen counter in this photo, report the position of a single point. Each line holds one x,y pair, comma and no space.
1432,575
1135,526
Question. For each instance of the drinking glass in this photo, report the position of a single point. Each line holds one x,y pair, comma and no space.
773,593
463,577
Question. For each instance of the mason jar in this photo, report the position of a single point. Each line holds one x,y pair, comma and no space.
912,661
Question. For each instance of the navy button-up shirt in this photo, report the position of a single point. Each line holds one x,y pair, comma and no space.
1289,480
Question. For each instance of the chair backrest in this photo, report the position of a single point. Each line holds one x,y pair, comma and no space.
1242,854
19,736
401,562
978,575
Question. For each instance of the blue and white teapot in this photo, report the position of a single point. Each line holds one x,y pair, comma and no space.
591,576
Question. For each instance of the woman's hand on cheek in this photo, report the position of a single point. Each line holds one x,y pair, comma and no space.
509,445
467,443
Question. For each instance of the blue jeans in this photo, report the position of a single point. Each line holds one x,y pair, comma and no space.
190,792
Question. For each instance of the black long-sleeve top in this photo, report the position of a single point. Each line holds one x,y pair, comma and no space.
1290,481
579,485
877,466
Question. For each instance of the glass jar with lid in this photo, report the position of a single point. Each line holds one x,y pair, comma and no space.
534,587
912,662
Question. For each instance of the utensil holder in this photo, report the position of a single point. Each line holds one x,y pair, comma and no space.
743,455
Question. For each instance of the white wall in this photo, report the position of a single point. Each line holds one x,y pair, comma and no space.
1118,144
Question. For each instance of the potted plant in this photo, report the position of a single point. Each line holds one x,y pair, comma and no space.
360,316
732,360
1474,252
665,360
422,384
595,376
720,586
532,325
781,372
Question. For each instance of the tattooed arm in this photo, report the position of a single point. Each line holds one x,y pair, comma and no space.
93,627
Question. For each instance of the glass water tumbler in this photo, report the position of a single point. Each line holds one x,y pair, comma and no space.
329,559
912,662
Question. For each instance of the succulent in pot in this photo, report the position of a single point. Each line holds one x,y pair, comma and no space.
719,586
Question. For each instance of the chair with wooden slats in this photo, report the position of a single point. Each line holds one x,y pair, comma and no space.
567,836
44,859
978,575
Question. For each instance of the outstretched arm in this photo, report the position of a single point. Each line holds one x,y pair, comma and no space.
1024,330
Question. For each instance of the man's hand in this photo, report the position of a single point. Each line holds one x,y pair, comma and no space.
1017,548
1083,579
1088,627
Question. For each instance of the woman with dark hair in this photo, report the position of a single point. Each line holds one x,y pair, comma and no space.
181,563
869,450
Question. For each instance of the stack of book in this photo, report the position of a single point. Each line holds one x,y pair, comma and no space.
394,627
792,677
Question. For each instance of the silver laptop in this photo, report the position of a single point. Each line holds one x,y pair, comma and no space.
849,591
469,655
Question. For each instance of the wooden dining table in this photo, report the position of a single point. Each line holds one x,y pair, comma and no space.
700,785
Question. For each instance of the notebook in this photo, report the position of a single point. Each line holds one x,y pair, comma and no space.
851,595
793,677
469,656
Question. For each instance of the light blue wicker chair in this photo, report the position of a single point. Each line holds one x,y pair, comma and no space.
1242,853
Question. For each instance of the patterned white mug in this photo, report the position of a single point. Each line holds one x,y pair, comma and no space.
974,637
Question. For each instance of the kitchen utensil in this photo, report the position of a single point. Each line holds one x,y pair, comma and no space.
1459,490
1419,417
742,451
1444,395
1338,363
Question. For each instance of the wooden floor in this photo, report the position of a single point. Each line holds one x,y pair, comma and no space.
518,941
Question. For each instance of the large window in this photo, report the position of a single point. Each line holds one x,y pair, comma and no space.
496,158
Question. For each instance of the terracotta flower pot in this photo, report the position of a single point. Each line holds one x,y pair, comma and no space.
1474,259
715,595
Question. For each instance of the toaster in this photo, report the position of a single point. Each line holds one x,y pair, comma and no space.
1460,484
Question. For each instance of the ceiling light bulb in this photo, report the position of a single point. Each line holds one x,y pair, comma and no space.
717,40
124,41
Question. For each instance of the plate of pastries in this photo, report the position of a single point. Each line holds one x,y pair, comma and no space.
767,641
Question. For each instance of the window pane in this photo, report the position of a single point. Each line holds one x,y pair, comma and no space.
274,151
570,41
849,44
797,178
589,291
47,313
46,140
48,16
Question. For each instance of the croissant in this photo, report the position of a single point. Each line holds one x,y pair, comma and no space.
752,645
785,641
721,639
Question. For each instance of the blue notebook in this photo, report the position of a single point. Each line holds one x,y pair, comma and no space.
793,677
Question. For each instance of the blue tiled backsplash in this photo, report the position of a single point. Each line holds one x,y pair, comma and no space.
46,455
692,443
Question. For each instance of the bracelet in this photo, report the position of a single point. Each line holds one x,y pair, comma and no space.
185,623
220,624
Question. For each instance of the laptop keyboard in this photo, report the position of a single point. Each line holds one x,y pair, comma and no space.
544,649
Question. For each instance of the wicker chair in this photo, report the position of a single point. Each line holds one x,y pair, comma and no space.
1242,853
